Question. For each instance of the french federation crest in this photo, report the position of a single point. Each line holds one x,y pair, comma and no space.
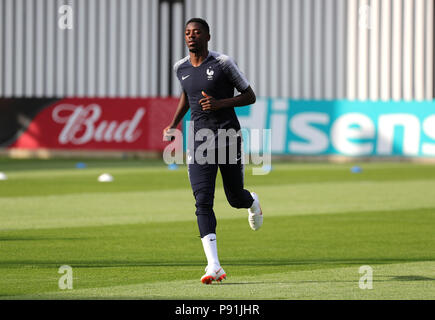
210,73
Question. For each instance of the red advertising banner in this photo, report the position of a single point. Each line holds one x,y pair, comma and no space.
100,124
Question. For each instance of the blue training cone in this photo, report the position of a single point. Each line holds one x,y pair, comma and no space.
80,165
173,166
356,169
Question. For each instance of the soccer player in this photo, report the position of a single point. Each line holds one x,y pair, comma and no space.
208,80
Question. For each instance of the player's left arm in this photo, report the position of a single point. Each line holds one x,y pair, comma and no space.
245,98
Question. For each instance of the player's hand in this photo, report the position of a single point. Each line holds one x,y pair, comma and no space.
209,103
168,134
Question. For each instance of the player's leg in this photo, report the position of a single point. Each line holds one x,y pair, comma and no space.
233,180
232,177
203,178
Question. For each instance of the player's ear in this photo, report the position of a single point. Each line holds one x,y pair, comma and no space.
208,37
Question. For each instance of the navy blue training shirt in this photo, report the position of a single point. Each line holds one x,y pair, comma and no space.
217,76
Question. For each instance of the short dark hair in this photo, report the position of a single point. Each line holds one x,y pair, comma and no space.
200,21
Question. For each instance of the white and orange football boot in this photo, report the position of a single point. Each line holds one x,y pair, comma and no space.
213,273
255,216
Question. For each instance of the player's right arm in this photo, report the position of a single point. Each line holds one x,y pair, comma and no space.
183,107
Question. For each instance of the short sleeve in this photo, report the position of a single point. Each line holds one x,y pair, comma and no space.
236,76
178,64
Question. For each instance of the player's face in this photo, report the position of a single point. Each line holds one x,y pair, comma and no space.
196,37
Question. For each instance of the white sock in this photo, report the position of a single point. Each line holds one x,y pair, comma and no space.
210,249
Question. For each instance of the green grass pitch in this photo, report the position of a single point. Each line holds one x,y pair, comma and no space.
137,238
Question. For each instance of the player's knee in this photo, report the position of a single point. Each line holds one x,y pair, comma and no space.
204,203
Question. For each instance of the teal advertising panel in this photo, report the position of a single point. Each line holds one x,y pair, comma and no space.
340,127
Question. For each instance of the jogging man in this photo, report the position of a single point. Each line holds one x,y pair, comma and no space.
208,80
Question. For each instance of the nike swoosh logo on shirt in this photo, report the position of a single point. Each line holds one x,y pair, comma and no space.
185,77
